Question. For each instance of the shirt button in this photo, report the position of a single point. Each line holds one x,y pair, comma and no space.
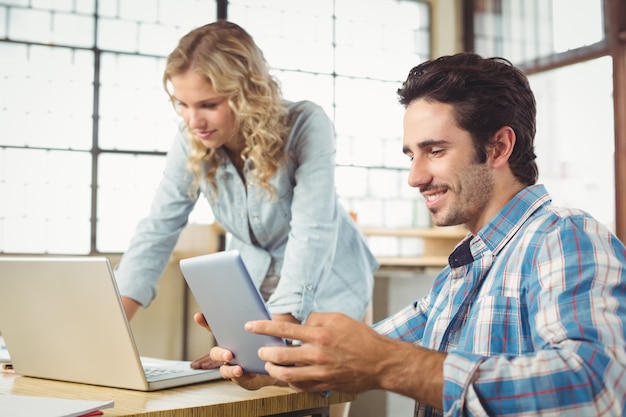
309,287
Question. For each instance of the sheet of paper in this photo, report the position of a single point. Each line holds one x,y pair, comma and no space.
28,406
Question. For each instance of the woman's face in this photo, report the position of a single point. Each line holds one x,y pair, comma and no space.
208,115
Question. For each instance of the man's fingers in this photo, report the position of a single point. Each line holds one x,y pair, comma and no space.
286,330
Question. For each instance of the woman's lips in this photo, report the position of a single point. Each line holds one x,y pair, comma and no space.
204,134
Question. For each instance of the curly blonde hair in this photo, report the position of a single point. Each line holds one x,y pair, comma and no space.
227,57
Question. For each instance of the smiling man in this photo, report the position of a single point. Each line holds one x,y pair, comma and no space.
528,318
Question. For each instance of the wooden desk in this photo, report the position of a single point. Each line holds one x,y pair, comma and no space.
211,399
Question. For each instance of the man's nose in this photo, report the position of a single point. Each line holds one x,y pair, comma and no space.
419,174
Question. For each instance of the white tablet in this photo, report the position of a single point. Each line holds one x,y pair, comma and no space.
228,299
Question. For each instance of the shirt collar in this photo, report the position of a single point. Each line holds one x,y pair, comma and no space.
503,226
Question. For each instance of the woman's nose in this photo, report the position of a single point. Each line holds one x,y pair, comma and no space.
193,119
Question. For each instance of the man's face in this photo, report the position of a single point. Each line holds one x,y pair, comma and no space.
457,189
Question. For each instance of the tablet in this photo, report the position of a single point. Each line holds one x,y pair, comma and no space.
228,299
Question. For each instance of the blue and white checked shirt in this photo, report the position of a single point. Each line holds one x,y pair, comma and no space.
532,313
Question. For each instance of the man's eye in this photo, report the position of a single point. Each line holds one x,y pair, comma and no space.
436,151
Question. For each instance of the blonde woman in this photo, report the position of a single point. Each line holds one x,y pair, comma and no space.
267,168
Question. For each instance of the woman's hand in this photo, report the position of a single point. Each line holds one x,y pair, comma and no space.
219,358
236,374
204,362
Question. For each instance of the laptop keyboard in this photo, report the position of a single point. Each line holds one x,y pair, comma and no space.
152,373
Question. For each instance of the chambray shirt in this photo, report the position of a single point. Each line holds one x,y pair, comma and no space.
532,313
303,235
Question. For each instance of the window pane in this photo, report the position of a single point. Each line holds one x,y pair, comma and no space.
49,108
30,25
575,137
149,26
298,38
74,30
135,112
298,85
524,30
46,201
367,113
576,23
126,187
127,184
3,22
383,40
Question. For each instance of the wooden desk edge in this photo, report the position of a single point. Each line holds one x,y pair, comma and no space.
210,399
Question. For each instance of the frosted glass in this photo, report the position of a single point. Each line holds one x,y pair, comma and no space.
139,10
187,14
60,5
3,22
73,30
352,181
47,101
126,187
40,191
577,23
576,157
289,40
304,86
368,108
110,35
156,39
30,25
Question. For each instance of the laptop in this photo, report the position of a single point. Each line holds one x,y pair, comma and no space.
62,318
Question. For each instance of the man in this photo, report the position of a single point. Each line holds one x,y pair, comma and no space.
528,318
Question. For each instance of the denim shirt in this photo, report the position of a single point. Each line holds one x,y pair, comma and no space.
302,234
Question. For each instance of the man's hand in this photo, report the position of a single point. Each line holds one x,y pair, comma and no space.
341,354
337,353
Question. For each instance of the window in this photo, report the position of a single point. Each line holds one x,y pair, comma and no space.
564,46
86,125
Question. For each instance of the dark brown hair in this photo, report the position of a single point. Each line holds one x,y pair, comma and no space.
486,94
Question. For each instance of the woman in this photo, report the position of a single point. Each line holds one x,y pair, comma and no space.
266,166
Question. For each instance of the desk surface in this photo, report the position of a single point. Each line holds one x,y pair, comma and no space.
211,399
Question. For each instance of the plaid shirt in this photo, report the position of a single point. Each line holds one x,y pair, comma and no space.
532,313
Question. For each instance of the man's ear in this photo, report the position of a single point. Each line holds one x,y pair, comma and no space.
502,146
